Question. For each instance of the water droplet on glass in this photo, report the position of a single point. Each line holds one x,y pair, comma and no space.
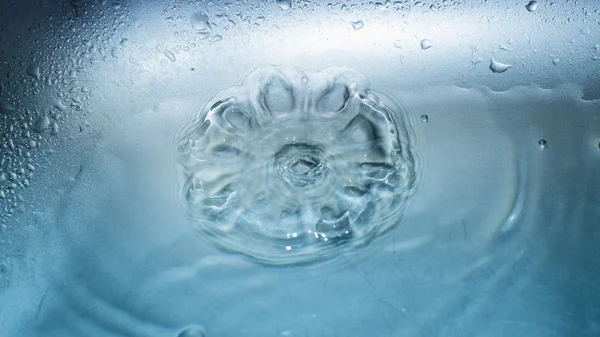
498,67
169,54
398,44
555,61
54,129
201,25
426,44
424,118
41,124
357,24
284,4
192,332
116,52
532,6
543,144
33,70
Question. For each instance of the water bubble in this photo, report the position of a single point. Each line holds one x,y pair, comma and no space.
357,25
192,332
292,167
498,67
543,144
424,118
532,6
284,4
426,44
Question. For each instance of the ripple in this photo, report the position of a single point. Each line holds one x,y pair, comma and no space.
293,167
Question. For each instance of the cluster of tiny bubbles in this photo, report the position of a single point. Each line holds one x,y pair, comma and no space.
292,167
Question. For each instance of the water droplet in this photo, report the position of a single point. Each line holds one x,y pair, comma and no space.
5,108
498,67
41,124
201,25
54,129
192,332
169,54
424,118
426,44
543,144
532,6
265,167
284,4
117,52
398,44
2,195
33,70
357,25
555,61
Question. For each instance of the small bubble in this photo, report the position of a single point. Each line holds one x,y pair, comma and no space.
284,4
498,67
532,6
424,118
543,144
357,25
426,44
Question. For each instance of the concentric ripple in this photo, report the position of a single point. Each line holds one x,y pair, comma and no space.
293,167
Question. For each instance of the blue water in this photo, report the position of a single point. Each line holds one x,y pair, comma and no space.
273,169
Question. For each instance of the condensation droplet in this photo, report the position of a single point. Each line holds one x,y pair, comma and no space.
555,61
41,124
169,54
543,144
398,44
426,44
201,25
532,6
498,67
284,4
54,129
357,25
424,118
33,70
